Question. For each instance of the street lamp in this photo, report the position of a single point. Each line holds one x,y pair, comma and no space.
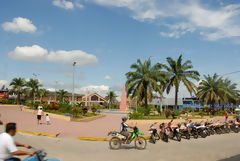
74,63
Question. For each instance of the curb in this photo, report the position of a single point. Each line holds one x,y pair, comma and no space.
35,133
102,139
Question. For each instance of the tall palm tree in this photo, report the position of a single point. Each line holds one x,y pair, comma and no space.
180,72
18,84
42,93
143,80
61,94
33,85
111,96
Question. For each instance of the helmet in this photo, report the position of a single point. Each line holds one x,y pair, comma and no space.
124,118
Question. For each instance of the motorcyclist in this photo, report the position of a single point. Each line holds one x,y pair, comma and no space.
124,130
8,148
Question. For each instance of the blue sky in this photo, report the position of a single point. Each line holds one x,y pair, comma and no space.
107,36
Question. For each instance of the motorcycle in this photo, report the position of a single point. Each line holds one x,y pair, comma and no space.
39,156
185,131
164,132
233,126
201,129
192,130
175,132
154,135
117,139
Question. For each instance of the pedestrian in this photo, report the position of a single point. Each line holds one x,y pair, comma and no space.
8,148
21,107
39,114
226,116
48,119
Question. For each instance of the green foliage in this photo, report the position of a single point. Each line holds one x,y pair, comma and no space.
136,115
201,113
175,113
143,110
94,108
222,112
84,110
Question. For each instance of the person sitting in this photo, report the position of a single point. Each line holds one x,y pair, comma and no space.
124,130
8,148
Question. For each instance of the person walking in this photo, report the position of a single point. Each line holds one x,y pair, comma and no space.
8,148
39,114
48,119
226,116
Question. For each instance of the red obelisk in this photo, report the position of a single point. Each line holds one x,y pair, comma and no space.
123,105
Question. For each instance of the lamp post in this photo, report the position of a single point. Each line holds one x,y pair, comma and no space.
73,101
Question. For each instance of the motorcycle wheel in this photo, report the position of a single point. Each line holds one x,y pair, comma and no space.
202,134
227,130
208,133
187,136
212,132
195,135
178,137
153,139
115,143
140,143
218,131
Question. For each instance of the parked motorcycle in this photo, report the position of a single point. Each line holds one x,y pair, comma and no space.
154,134
175,132
164,132
117,139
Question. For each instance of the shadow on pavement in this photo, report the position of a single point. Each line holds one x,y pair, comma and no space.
233,158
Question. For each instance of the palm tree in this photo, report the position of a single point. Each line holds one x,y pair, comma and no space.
210,89
42,93
61,94
216,90
111,96
180,72
18,84
33,85
141,82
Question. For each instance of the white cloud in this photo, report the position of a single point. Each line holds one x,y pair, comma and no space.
186,16
82,58
3,82
107,77
68,5
78,4
36,53
19,24
33,53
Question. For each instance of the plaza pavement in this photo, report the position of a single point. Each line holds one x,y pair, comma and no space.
213,148
28,122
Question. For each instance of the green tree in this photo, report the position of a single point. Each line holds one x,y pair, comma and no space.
111,96
42,93
18,84
144,80
61,94
180,72
216,90
33,85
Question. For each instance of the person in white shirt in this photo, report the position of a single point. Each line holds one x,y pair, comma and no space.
47,119
8,148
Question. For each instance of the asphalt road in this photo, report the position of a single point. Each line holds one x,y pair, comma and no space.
214,148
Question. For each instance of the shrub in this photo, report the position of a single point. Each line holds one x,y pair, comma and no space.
54,106
65,108
167,113
93,108
183,111
136,115
222,112
175,113
145,111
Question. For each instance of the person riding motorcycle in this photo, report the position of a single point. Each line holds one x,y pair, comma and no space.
124,130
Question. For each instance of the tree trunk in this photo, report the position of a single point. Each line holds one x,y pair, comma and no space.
18,97
146,96
176,97
161,99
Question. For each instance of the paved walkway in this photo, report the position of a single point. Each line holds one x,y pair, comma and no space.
97,128
27,121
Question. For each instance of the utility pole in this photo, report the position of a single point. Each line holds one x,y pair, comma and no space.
56,91
73,101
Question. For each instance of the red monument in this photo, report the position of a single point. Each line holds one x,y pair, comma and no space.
123,105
